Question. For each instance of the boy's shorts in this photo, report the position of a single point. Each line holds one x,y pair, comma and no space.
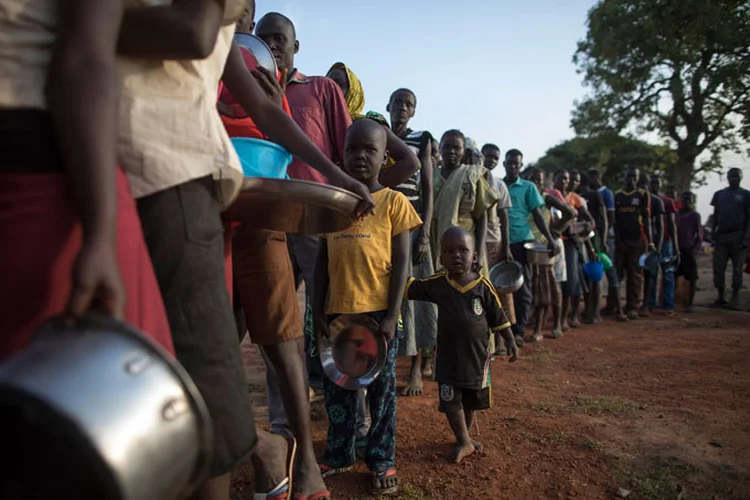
454,399
688,267
264,280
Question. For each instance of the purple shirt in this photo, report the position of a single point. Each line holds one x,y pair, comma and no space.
319,108
689,230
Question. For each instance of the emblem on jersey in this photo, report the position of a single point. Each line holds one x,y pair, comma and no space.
446,393
635,202
477,307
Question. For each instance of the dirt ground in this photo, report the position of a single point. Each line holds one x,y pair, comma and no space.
658,407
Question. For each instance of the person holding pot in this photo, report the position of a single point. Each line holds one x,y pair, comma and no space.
632,238
650,276
527,202
598,210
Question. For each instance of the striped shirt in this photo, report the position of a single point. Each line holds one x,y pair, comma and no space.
417,141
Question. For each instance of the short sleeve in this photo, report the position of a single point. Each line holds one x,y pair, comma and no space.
503,200
715,199
420,289
609,199
534,200
496,318
403,215
486,197
657,208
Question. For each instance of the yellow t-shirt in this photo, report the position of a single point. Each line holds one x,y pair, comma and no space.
359,258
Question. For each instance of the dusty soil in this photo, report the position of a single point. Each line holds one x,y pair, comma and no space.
658,406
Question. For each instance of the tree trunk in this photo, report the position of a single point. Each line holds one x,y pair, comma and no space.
683,170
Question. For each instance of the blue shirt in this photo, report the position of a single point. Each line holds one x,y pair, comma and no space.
524,197
608,197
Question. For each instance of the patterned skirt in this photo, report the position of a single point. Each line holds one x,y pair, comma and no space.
545,289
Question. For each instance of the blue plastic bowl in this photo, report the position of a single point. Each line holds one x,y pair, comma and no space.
261,158
594,270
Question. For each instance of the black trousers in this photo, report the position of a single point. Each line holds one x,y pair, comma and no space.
522,298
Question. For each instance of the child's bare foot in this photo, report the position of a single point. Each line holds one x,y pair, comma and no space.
414,387
461,451
477,446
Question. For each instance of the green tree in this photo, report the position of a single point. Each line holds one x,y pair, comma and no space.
680,68
611,154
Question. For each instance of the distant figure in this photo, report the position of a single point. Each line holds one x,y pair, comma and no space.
598,210
657,233
669,249
632,238
690,238
468,310
730,231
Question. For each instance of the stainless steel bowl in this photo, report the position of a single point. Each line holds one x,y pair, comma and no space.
355,353
258,49
293,206
122,405
538,254
507,277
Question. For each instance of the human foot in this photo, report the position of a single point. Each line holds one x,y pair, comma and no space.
536,337
734,302
414,387
384,482
308,479
461,451
477,446
556,333
273,462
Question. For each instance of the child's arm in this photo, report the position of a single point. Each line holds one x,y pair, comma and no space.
400,269
320,290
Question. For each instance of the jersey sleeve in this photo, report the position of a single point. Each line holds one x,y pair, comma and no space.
403,215
420,289
496,318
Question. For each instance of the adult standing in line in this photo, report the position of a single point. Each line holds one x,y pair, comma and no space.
613,305
572,288
419,318
669,249
184,171
525,201
632,227
730,229
498,241
319,108
657,233
598,210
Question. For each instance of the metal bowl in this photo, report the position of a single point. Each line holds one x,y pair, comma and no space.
649,262
538,254
256,54
507,277
293,206
355,353
114,404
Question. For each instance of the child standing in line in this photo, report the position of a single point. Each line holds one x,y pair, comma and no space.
690,238
363,270
469,310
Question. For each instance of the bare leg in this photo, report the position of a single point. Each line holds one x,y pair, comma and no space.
287,363
691,296
415,386
575,305
557,328
540,313
565,302
464,445
427,364
269,461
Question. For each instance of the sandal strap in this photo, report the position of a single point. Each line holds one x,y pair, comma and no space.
280,492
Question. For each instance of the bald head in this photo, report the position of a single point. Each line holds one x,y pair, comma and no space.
365,149
279,33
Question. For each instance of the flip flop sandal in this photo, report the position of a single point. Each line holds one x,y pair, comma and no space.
328,471
320,495
380,477
281,491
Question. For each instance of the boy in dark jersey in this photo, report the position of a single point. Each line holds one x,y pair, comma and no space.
632,224
468,310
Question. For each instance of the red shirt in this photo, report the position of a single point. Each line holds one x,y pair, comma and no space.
670,208
319,108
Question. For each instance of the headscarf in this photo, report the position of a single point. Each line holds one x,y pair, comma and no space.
355,97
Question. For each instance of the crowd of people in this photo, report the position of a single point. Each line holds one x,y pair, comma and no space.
117,167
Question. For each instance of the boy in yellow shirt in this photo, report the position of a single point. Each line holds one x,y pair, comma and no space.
363,270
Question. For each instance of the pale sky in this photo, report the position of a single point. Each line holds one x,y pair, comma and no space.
500,71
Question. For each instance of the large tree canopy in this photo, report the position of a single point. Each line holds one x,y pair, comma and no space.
611,154
680,68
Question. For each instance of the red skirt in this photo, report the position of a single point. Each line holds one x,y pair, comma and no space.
41,237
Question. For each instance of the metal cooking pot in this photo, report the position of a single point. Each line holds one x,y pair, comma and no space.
355,353
116,403
507,277
649,262
538,254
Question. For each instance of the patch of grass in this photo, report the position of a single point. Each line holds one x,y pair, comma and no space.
411,492
556,437
600,405
663,481
548,407
590,445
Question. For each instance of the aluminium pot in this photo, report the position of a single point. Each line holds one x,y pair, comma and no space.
507,277
121,416
538,254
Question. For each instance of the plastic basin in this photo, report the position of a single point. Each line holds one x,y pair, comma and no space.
594,270
261,158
